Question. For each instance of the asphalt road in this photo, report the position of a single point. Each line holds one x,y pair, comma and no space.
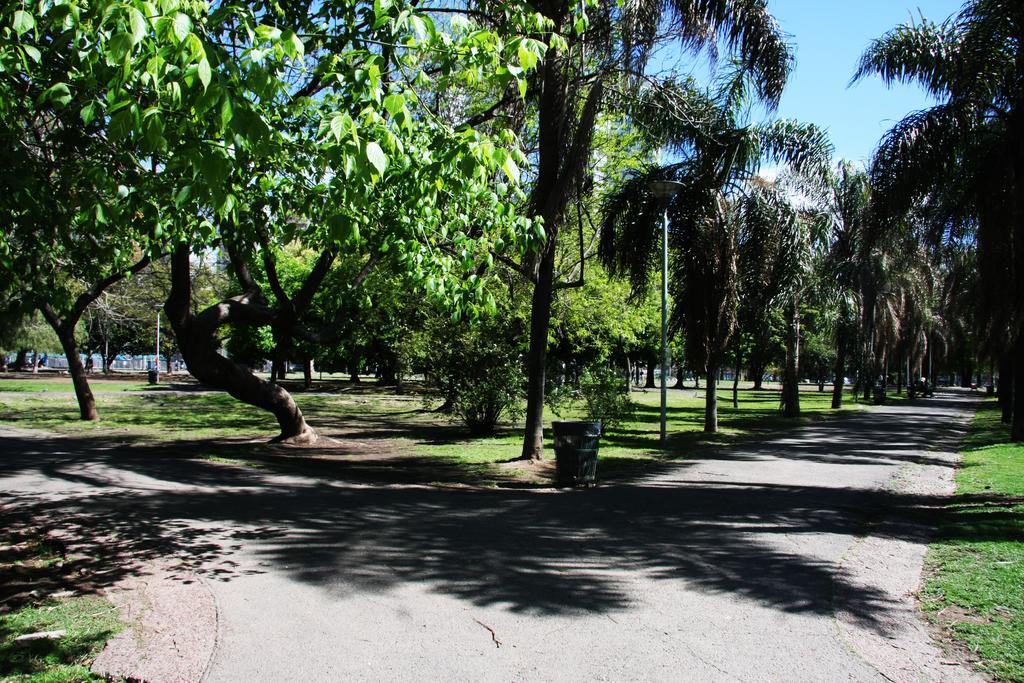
793,559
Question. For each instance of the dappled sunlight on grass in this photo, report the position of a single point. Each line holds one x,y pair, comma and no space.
401,424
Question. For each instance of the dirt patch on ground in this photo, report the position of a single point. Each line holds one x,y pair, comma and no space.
172,628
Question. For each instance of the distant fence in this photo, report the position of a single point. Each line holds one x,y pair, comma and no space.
120,364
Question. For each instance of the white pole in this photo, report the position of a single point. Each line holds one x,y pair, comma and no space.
157,364
664,327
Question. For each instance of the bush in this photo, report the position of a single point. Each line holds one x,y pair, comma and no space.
485,388
478,371
602,395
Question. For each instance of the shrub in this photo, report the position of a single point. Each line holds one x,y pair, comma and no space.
602,395
478,371
486,387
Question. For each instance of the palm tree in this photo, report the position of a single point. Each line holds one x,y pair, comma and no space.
973,63
842,203
775,252
722,154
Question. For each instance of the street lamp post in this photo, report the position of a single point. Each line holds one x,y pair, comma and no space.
156,363
664,190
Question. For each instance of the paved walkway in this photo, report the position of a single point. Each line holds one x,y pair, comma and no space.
793,559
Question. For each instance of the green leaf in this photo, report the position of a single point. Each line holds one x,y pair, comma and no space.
182,26
183,195
58,93
394,103
511,169
139,25
32,53
88,113
203,71
268,33
118,49
23,22
227,112
375,155
292,44
527,57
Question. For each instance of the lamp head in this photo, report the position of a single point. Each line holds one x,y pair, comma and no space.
664,189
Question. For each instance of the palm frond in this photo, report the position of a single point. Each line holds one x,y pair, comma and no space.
913,53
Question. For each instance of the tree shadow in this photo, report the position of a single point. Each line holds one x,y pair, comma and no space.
529,552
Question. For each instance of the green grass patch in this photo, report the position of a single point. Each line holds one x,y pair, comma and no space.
636,443
63,385
976,585
233,461
89,622
405,423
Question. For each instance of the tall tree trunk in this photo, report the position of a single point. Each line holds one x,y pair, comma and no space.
536,359
307,373
736,378
757,373
839,380
651,363
35,362
679,377
1017,419
21,360
1017,360
197,340
711,402
791,381
1005,391
564,137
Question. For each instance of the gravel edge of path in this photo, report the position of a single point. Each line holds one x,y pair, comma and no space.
172,628
887,559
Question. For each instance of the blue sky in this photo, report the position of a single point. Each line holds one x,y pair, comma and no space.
830,36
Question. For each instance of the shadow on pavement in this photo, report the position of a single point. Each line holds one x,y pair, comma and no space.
534,552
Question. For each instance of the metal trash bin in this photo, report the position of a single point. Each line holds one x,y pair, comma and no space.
576,446
154,376
879,396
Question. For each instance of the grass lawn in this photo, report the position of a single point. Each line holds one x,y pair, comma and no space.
396,423
975,589
88,621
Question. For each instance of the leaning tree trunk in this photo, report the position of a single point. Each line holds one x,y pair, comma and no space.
64,328
198,342
711,402
86,400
